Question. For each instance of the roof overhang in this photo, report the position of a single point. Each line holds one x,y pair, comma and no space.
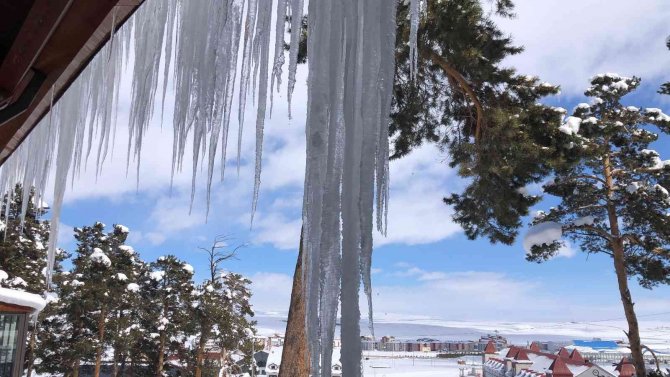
44,46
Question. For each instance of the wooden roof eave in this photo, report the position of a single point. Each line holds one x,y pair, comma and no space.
81,32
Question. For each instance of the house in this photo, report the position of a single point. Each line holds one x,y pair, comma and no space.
531,362
274,362
16,308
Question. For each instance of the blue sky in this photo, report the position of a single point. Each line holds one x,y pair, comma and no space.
426,267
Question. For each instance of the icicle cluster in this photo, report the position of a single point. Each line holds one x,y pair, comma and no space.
351,65
413,36
195,45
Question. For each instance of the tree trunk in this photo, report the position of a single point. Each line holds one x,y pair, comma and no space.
294,358
628,307
115,370
75,368
200,356
101,340
617,246
31,351
161,355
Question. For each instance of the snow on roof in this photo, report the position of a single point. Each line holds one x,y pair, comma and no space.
21,298
274,356
542,234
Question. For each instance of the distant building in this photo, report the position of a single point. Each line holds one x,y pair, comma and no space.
532,362
597,344
390,344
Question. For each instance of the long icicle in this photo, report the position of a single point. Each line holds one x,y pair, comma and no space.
194,45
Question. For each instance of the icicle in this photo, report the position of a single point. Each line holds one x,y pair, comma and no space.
250,23
263,43
280,27
233,29
350,47
414,10
296,30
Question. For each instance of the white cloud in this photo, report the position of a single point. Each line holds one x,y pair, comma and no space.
65,236
271,292
566,251
567,42
276,229
478,295
417,214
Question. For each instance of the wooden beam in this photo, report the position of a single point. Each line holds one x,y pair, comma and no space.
42,20
14,309
82,32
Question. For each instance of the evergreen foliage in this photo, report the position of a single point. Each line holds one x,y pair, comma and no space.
486,117
112,309
23,242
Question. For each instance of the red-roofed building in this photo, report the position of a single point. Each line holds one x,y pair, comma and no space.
535,347
522,362
522,355
576,356
564,353
559,369
512,352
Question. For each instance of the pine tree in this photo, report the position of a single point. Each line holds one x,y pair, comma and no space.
55,347
211,308
486,117
237,331
22,242
123,318
614,200
167,293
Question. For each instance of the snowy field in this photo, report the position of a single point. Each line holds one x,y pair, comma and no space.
656,334
376,366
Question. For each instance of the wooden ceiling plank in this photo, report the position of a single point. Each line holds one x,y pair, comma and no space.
84,30
42,21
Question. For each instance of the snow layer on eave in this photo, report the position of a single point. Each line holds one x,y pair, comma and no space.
21,298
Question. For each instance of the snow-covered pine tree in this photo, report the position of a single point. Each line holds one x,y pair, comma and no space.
23,242
614,200
56,347
167,293
222,311
123,322
92,292
210,309
236,334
